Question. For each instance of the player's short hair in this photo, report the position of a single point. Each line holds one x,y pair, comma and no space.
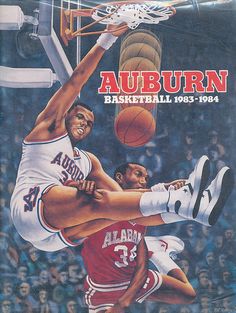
77,102
123,168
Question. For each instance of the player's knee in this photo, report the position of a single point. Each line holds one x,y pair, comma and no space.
190,294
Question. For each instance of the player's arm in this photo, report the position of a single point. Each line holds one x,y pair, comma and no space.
103,181
137,282
62,100
176,184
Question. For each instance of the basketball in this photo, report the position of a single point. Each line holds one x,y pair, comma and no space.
141,50
142,36
134,126
138,64
141,103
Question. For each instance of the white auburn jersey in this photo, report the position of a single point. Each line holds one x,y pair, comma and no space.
52,162
43,165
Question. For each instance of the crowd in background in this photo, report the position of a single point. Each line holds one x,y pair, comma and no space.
36,281
33,281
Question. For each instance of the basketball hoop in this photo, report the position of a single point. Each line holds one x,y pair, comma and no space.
131,13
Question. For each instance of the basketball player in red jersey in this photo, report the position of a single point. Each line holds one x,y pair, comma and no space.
116,259
44,207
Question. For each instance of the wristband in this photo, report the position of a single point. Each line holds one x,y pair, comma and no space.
106,40
158,187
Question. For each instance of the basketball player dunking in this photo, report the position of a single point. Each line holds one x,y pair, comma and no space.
44,208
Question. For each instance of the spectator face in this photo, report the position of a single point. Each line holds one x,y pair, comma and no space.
205,302
203,279
219,241
3,243
226,277
42,296
22,273
44,277
222,260
71,307
2,202
34,254
214,139
6,306
190,229
205,230
63,277
184,265
73,272
210,258
24,289
10,187
7,289
229,234
213,155
189,140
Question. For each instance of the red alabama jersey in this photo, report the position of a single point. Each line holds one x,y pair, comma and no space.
109,255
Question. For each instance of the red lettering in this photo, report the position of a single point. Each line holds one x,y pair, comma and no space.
125,80
167,81
109,83
151,82
216,83
193,79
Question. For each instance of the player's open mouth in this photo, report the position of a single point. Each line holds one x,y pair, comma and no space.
80,131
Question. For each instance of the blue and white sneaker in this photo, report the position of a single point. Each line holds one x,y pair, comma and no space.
186,200
214,197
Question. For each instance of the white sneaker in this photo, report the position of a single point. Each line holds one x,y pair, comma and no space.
214,197
170,244
185,201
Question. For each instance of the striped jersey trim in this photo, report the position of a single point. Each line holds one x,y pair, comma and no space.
28,143
157,284
108,287
40,206
67,241
89,160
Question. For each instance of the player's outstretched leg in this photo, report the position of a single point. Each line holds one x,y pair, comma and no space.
175,287
214,197
184,201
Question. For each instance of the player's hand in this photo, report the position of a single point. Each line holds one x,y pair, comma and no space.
86,186
115,309
120,31
176,184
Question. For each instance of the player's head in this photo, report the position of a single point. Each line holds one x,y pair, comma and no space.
79,121
131,176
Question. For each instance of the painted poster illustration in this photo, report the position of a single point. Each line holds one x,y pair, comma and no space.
118,156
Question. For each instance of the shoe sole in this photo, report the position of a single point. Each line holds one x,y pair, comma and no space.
202,170
224,184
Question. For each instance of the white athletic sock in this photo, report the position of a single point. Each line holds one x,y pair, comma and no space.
152,203
173,201
169,218
163,262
